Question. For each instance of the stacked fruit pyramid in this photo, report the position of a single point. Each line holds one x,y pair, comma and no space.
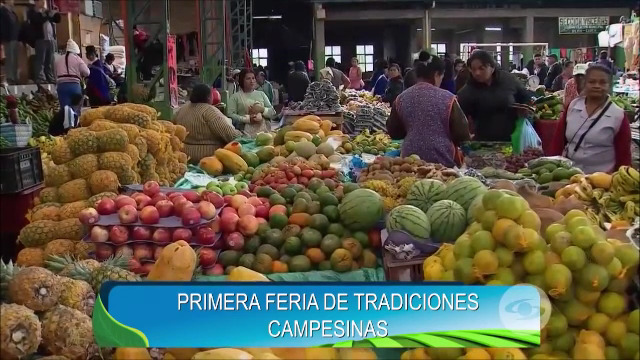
585,275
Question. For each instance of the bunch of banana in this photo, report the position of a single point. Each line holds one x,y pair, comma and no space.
45,143
626,181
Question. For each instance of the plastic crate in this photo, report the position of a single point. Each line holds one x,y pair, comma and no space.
403,270
20,168
16,135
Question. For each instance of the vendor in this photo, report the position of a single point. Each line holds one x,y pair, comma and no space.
207,128
248,108
561,80
429,118
395,86
574,86
488,97
594,132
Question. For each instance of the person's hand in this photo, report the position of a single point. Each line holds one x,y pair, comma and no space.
256,118
258,108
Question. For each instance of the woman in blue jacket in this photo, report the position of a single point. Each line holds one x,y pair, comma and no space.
379,79
98,83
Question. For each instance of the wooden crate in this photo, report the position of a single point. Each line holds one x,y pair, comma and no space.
403,270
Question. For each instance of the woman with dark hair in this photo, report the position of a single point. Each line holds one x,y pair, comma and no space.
429,118
488,98
379,81
448,82
297,82
458,66
250,109
208,129
99,85
594,132
395,86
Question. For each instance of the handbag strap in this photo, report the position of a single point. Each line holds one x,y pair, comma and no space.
595,121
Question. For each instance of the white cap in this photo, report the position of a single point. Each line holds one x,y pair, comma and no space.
580,69
72,47
235,72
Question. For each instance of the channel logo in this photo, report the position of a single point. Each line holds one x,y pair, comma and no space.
519,307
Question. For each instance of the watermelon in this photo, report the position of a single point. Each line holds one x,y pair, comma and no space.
410,219
361,209
425,193
448,220
464,190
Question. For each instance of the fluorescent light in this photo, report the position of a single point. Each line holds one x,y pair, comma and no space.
270,17
433,29
419,29
493,29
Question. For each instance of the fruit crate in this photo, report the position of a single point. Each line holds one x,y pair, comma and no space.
20,168
403,270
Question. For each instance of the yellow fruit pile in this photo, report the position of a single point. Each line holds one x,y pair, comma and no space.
585,274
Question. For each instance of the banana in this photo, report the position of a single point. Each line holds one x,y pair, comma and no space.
627,182
632,197
582,195
592,216
629,210
598,193
633,173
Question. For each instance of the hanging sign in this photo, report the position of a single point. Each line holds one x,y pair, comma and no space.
67,6
582,24
172,68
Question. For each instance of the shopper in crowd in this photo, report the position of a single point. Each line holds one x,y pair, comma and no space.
355,75
488,97
555,69
207,128
410,78
98,83
265,86
249,109
594,132
232,81
297,82
537,67
448,82
9,31
71,70
379,78
561,80
395,85
337,77
112,71
458,66
462,78
42,28
603,60
67,117
575,85
429,118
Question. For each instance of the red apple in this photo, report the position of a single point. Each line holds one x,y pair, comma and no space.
217,269
106,206
237,201
146,268
246,209
135,266
103,251
248,225
216,199
161,236
207,210
207,257
177,198
149,215
179,207
227,199
205,236
234,241
191,196
140,233
128,214
118,235
246,193
134,194
171,195
157,251
182,234
165,208
157,198
190,216
254,201
122,200
262,211
88,216
124,251
228,222
142,252
99,234
142,200
228,210
151,188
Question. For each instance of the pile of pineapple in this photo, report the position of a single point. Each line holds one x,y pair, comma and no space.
49,309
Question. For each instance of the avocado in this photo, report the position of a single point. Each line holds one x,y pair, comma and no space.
263,139
266,154
229,257
250,158
279,138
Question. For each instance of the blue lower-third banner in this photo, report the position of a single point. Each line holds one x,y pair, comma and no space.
261,314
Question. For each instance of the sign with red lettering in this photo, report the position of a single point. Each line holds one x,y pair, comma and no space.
67,6
172,68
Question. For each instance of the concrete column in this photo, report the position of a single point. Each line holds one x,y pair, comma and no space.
426,30
318,38
527,52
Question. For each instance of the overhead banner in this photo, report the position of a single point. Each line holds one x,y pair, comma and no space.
276,315
582,24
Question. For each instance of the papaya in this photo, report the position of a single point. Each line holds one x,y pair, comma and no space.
241,273
211,165
181,353
235,147
131,354
297,136
326,125
232,162
176,263
313,118
305,125
222,354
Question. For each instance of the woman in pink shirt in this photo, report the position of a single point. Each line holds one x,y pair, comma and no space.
355,75
70,70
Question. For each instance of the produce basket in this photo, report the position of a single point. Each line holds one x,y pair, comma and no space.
17,135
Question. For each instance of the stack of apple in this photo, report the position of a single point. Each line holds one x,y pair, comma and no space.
278,177
141,224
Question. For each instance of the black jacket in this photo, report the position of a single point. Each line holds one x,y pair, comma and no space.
37,20
489,107
297,83
394,88
56,126
542,74
9,26
554,71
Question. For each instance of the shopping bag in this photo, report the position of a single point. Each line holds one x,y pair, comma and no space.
524,136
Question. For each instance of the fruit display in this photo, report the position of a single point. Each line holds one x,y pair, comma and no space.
515,162
320,96
548,107
626,103
365,116
298,229
281,172
478,155
609,198
38,108
46,143
547,169
584,274
393,178
376,143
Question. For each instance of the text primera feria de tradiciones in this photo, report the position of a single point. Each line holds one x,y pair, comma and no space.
327,302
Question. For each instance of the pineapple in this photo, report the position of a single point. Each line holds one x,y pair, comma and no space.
58,175
48,194
83,165
20,331
103,181
154,140
67,332
63,265
59,247
83,250
147,164
90,115
93,201
46,213
61,154
145,109
38,233
102,125
71,210
34,287
71,229
141,144
103,273
181,132
129,177
6,273
74,190
133,153
82,141
132,131
77,294
44,205
168,126
53,357
112,140
30,257
117,162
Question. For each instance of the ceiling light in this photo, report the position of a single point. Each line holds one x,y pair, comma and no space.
419,29
493,29
270,17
